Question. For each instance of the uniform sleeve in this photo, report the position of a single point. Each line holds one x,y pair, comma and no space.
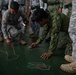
44,33
4,25
56,25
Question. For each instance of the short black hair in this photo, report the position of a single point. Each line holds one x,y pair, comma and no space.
14,5
39,14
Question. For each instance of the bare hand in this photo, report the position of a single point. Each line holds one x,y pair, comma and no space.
8,41
33,45
46,55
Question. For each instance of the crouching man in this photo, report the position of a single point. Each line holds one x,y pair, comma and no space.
53,23
13,24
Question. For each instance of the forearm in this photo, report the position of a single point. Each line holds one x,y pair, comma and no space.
43,34
4,30
53,42
39,41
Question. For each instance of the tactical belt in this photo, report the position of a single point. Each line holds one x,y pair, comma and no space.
55,3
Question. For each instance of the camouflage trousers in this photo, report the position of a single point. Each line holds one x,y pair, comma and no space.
72,30
16,33
65,43
73,38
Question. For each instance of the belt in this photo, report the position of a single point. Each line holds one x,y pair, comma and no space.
55,3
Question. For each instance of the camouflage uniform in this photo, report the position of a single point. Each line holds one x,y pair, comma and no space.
53,6
59,24
68,6
72,29
12,25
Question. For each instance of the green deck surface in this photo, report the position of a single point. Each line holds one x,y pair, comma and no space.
19,66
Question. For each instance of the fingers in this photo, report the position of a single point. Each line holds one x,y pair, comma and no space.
32,45
44,56
8,41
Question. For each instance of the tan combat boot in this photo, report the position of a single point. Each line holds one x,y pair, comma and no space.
69,58
70,68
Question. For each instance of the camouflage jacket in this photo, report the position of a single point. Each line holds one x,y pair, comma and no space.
54,28
10,19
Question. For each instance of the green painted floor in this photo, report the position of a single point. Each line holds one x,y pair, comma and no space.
19,65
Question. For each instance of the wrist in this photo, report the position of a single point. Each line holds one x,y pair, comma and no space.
50,52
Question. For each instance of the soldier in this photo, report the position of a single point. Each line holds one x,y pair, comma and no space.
13,24
34,27
41,17
54,6
71,67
